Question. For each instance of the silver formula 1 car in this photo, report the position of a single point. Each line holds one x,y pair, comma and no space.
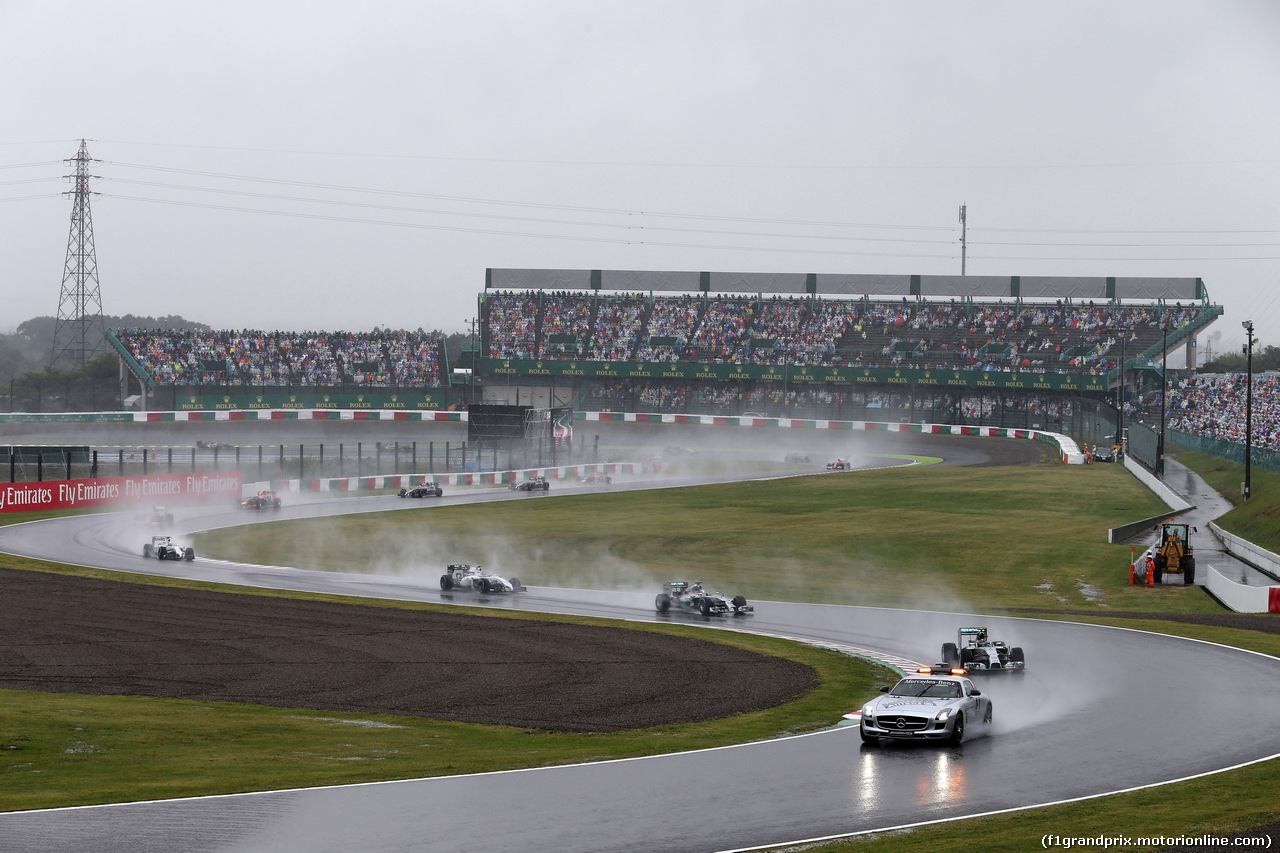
533,484
976,652
937,703
476,579
684,595
164,548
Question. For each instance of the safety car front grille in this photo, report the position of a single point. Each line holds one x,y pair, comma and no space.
901,722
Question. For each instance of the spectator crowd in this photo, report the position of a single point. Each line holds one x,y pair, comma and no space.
253,357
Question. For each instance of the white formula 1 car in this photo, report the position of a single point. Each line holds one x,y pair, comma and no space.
976,652
426,490
937,703
163,548
476,579
691,596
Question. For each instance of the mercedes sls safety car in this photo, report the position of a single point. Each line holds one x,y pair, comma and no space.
684,595
977,652
937,703
425,490
533,484
163,548
476,579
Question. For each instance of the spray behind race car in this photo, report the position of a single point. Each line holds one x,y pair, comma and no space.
977,652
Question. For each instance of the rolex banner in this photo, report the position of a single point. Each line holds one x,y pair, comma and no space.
103,491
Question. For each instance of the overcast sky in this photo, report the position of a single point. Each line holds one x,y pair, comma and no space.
344,166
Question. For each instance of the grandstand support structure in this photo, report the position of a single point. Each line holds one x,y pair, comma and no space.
78,330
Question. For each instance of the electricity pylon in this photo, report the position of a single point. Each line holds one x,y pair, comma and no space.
78,330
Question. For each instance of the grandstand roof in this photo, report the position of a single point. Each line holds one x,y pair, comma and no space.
852,284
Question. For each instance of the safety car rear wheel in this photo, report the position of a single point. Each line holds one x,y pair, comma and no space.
957,731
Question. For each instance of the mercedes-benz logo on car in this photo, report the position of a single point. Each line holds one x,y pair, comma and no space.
902,724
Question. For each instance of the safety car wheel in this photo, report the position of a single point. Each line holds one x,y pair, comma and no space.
662,603
987,717
446,582
869,740
957,731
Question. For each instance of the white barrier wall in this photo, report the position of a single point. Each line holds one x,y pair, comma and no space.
1237,596
1267,561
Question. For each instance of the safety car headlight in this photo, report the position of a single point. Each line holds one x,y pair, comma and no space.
869,714
943,715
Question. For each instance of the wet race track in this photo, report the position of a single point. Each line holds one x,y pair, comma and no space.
1099,710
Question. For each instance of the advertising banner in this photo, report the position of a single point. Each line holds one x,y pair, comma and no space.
103,491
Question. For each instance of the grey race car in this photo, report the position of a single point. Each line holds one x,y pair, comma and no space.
977,652
684,595
935,704
533,484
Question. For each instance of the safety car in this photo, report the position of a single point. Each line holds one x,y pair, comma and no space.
476,579
533,484
164,548
684,595
425,490
936,703
977,652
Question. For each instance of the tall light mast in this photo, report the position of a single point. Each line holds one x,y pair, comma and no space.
964,245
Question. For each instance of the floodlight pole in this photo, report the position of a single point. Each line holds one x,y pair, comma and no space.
963,238
1164,384
1248,404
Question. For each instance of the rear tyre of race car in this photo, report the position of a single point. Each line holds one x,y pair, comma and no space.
146,551
546,487
516,586
404,492
446,582
704,606
662,603
481,585
950,654
957,731
189,554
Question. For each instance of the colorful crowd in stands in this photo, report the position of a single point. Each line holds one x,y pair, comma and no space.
253,357
1057,337
1214,407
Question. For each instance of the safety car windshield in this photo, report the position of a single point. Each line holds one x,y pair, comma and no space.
926,689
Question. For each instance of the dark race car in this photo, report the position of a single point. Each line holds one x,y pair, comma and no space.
684,595
426,490
533,484
158,517
598,480
262,500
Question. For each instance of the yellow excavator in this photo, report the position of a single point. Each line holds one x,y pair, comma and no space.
1174,553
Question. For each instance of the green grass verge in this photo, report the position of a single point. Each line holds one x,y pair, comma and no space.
61,749
1025,537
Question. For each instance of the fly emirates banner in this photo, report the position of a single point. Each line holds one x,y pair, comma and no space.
102,491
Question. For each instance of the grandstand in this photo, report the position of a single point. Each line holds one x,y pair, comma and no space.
720,342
